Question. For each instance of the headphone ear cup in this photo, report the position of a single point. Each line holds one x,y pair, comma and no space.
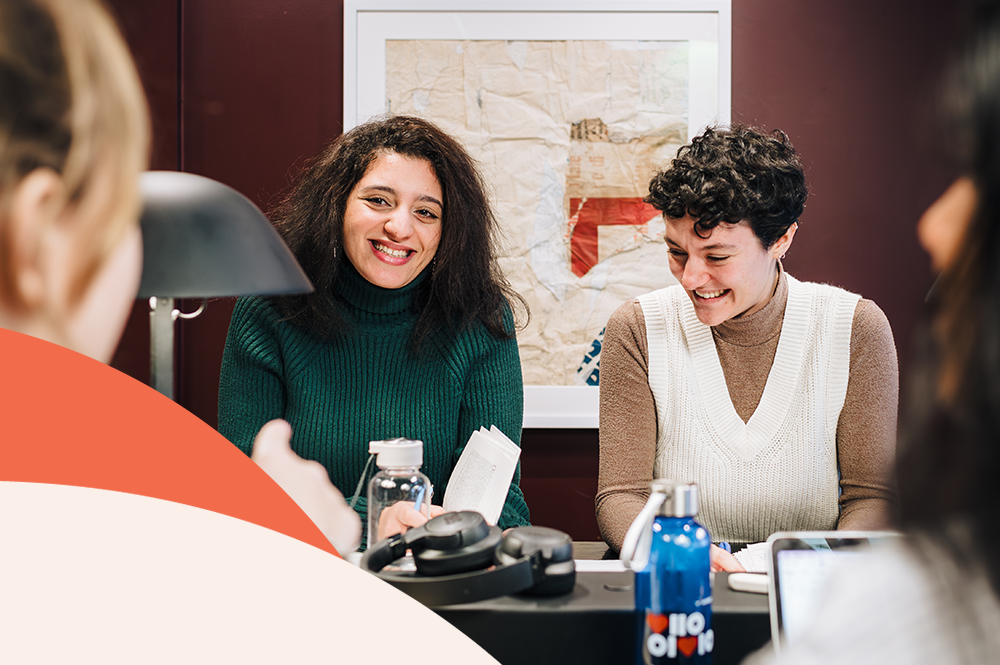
472,556
383,553
455,543
553,569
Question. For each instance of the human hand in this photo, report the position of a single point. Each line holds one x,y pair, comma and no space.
724,561
403,515
308,483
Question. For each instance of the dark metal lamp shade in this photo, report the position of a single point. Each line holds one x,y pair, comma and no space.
203,239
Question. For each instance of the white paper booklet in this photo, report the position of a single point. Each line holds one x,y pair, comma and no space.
483,474
753,557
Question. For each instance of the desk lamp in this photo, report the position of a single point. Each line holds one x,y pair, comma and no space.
203,239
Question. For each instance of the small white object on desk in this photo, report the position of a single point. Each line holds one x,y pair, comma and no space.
750,582
600,566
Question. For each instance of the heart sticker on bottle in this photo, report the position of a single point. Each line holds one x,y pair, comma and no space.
657,622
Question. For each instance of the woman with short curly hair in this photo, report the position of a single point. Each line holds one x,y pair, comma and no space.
778,397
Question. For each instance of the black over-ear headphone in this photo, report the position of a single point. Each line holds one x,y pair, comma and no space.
452,550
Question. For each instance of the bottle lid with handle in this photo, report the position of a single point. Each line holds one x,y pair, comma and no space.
679,499
668,498
395,453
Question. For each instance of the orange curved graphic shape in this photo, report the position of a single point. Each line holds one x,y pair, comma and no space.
67,419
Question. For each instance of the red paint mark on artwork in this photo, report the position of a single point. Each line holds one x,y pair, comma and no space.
587,214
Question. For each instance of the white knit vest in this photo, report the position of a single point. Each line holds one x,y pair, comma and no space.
778,471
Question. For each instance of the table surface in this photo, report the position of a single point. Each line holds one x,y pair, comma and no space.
596,623
593,551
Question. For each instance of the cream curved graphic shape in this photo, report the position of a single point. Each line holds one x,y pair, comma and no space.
92,575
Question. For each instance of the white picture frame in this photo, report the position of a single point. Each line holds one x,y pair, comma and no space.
705,24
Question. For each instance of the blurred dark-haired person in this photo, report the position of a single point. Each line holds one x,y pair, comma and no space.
778,397
935,597
410,331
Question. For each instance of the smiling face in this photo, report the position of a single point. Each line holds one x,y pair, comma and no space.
727,274
392,222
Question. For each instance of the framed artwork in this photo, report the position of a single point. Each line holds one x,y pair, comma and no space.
569,108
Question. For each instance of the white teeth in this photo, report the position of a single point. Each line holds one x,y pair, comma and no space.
396,253
710,294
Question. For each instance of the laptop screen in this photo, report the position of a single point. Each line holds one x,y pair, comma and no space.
801,564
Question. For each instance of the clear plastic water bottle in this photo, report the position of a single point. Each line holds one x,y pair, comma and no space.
399,479
673,592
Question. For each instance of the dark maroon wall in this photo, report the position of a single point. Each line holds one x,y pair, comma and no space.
244,90
241,91
262,89
852,83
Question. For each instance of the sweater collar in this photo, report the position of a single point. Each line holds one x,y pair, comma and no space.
760,326
367,297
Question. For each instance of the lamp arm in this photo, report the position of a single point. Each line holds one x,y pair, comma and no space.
177,314
161,331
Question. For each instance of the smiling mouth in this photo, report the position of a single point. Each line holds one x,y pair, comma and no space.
710,295
394,253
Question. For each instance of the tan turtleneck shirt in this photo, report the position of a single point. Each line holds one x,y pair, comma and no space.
866,430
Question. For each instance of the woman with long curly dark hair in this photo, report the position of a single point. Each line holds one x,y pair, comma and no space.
410,331
778,397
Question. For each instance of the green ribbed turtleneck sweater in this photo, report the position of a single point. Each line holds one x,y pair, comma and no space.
366,385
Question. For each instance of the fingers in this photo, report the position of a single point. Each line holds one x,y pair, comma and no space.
401,516
397,518
307,483
724,561
274,436
411,518
313,471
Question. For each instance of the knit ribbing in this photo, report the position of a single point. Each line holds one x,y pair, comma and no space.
779,469
367,384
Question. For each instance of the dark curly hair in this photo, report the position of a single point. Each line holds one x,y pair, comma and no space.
734,175
466,284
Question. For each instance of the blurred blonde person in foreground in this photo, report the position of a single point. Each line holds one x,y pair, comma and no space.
74,137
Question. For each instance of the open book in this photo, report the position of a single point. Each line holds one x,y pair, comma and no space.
482,476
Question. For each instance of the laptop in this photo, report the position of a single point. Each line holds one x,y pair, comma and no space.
800,564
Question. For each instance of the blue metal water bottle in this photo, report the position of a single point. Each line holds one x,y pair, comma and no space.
673,592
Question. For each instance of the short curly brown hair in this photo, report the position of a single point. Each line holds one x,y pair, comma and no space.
734,175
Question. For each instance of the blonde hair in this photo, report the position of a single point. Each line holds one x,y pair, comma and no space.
70,100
